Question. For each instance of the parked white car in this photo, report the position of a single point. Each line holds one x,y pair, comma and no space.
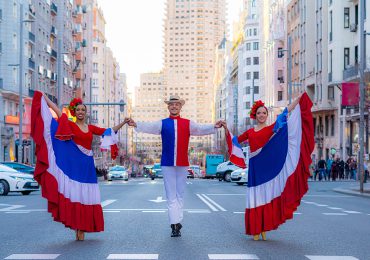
14,181
224,171
239,176
117,172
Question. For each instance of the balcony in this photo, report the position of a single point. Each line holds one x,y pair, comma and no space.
54,31
280,79
54,54
31,37
54,9
350,72
31,64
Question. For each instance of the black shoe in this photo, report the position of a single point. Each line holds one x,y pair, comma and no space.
174,231
178,226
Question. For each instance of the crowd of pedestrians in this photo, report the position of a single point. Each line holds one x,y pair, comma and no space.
333,169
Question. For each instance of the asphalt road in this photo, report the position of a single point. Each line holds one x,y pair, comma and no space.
328,225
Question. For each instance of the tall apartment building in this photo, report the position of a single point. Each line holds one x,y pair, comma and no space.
343,66
193,30
47,45
248,63
149,106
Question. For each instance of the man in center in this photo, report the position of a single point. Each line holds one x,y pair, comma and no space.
175,132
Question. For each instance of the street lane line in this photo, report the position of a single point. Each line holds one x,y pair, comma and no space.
352,212
199,211
214,203
335,214
239,212
297,213
112,211
207,203
12,207
321,205
18,212
107,202
328,257
232,256
335,208
133,256
224,194
153,211
33,256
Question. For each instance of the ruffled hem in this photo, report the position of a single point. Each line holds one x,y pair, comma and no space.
272,215
64,131
88,218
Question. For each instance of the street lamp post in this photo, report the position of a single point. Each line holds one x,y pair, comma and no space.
362,93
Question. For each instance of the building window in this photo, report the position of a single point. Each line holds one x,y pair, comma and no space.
346,57
346,17
332,131
247,105
331,26
331,93
95,67
356,14
256,75
256,90
356,54
248,62
280,95
326,125
247,90
256,60
255,46
248,46
248,75
255,31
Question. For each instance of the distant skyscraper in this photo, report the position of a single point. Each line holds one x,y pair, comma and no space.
193,30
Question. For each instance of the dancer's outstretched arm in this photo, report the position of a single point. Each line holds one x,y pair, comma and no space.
118,127
52,105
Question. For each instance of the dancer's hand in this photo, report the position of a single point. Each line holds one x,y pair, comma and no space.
131,122
219,124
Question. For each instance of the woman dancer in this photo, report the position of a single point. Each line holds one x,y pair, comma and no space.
275,188
65,165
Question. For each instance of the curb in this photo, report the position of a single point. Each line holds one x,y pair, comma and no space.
351,192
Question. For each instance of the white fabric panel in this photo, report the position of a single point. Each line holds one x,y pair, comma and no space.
154,128
201,129
109,140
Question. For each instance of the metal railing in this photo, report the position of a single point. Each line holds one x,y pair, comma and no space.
350,72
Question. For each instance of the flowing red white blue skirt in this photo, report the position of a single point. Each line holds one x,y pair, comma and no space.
276,188
66,173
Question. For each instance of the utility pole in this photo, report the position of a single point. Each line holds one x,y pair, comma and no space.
21,51
362,92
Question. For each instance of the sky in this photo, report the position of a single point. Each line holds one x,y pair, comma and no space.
134,32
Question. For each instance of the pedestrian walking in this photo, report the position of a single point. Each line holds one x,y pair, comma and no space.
321,166
275,188
175,132
65,165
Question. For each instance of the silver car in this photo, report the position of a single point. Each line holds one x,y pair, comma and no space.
117,172
239,176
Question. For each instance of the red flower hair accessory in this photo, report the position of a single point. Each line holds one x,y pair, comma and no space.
256,105
73,105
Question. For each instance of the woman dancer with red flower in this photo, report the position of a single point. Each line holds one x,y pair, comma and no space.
275,188
65,165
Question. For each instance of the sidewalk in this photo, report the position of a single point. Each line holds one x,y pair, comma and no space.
354,189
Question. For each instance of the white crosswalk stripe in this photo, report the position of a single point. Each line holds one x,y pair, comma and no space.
133,256
33,256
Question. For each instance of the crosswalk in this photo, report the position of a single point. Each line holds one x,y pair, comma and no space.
157,256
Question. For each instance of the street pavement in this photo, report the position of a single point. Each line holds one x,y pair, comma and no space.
327,225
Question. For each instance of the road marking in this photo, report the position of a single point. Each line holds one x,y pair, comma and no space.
12,207
327,257
297,213
335,214
329,196
352,212
239,212
33,256
335,208
207,203
188,182
107,202
24,211
321,205
214,203
158,200
223,194
199,211
153,211
232,256
112,211
133,256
